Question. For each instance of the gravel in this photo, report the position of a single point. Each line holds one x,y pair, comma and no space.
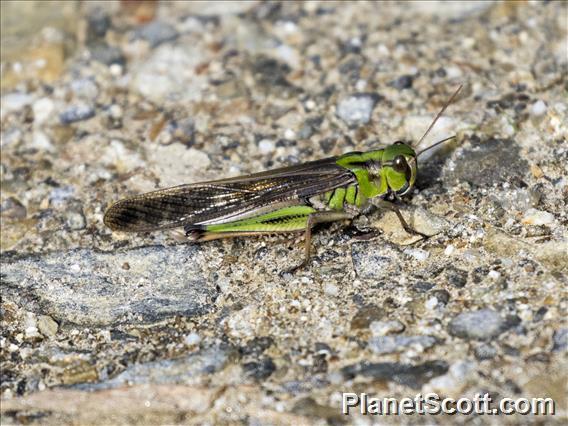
389,344
119,98
480,325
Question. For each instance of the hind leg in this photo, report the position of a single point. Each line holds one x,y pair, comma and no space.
314,219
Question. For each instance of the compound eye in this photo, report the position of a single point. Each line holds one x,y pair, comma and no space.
399,164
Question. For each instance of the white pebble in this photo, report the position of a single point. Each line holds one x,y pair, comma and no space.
418,254
449,250
431,303
42,109
494,275
508,130
331,289
468,43
538,108
537,217
453,72
361,85
31,332
356,109
115,70
289,134
41,141
192,339
382,328
115,111
266,146
310,105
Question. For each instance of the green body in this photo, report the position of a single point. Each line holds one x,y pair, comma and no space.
289,199
281,200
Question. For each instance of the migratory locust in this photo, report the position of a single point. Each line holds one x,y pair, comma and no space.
288,199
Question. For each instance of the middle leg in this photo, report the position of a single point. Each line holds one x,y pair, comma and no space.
383,204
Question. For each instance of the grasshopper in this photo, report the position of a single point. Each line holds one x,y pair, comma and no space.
284,200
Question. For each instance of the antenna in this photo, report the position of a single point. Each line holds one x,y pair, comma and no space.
435,144
436,119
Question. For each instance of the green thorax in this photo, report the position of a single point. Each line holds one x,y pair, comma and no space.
360,163
374,172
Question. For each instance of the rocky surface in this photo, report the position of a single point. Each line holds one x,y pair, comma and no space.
105,99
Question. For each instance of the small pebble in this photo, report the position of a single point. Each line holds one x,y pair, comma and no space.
331,289
42,109
431,303
536,171
58,197
442,296
418,254
537,217
382,328
31,333
479,325
41,141
289,134
538,108
456,277
494,275
389,344
456,376
560,339
47,326
98,23
356,109
76,113
453,72
192,339
310,105
108,55
157,32
84,88
75,219
116,70
403,82
115,111
361,85
485,351
266,146
449,250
